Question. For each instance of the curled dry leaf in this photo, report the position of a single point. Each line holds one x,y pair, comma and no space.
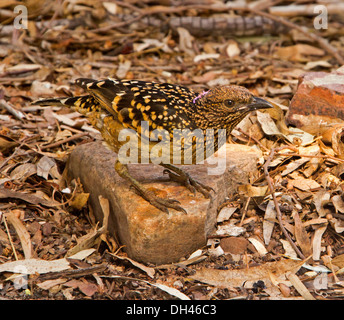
148,270
316,242
320,199
269,221
338,225
225,214
338,203
216,252
301,236
44,165
185,41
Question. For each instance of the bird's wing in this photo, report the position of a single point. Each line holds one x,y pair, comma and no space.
130,102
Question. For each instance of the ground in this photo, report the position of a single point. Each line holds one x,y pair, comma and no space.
254,253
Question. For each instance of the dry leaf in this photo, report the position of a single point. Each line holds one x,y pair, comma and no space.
232,49
301,236
23,171
316,242
196,254
289,250
46,285
32,266
43,88
172,291
185,41
259,246
110,7
216,252
237,278
6,144
87,288
321,198
79,200
22,233
150,271
268,125
305,184
7,193
225,214
205,56
44,165
252,191
338,225
319,63
338,261
123,69
298,52
81,255
299,286
206,77
230,230
338,203
268,223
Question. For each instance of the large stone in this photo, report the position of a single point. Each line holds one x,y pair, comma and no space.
150,235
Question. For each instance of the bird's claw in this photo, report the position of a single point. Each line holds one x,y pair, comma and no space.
190,183
160,203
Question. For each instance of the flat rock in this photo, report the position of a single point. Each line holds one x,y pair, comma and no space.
319,100
148,234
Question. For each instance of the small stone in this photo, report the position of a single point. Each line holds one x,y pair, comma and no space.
234,245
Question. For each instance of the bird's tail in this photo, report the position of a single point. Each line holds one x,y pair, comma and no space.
68,102
82,104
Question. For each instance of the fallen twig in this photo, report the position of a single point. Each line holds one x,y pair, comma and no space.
70,273
271,187
52,145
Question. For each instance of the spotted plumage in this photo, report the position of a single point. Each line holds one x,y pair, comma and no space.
113,105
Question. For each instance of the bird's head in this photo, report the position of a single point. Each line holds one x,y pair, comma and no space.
223,107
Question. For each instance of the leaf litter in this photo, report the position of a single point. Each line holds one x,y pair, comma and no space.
50,233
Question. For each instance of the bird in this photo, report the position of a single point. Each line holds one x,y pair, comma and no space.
148,108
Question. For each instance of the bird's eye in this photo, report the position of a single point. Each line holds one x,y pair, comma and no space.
229,103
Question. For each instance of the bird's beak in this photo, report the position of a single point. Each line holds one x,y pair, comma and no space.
259,103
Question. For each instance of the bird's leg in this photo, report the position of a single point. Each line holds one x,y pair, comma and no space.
148,195
182,177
